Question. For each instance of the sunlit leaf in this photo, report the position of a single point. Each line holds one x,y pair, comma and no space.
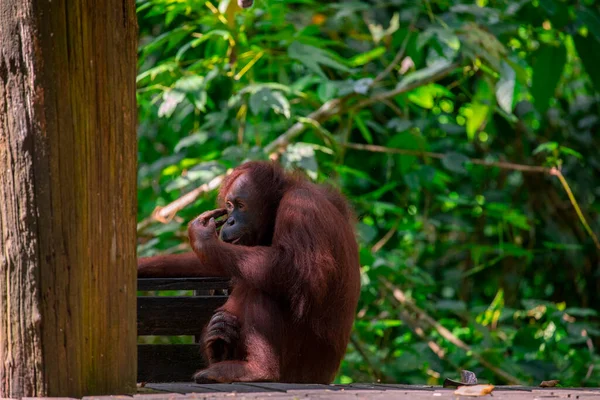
425,96
505,88
152,73
424,73
379,32
171,100
301,155
266,99
364,58
546,147
480,108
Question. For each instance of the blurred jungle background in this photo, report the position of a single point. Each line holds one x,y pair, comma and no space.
465,135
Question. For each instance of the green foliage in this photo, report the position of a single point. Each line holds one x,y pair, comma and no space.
496,256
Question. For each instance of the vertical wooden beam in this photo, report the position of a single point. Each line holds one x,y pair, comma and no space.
68,154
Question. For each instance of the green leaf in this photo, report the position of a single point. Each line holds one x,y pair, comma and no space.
549,6
424,73
570,152
581,312
301,155
364,58
366,233
171,99
197,41
443,35
379,192
155,71
363,129
425,96
479,43
546,147
591,21
362,86
480,108
266,99
327,90
195,139
422,97
557,12
169,38
588,49
505,87
409,141
548,65
312,57
455,162
194,87
520,71
379,33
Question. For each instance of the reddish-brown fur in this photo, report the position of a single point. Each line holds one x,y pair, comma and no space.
295,288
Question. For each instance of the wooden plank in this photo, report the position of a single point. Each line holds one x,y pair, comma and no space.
316,395
43,398
158,396
292,387
175,315
189,387
181,388
106,398
387,386
232,387
274,391
396,386
151,284
168,363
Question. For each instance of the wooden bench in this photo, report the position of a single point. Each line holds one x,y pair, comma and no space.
159,314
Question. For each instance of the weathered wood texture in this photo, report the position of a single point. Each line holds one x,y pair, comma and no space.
272,391
183,391
67,197
279,391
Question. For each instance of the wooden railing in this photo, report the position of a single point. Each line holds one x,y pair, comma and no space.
163,315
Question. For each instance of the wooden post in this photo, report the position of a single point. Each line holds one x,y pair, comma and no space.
67,197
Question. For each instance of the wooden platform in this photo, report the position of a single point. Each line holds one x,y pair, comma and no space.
277,391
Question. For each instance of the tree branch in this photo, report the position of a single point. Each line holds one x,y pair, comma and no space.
439,156
326,111
556,172
401,299
396,60
167,213
408,87
335,106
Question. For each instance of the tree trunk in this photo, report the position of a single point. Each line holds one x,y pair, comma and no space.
67,197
